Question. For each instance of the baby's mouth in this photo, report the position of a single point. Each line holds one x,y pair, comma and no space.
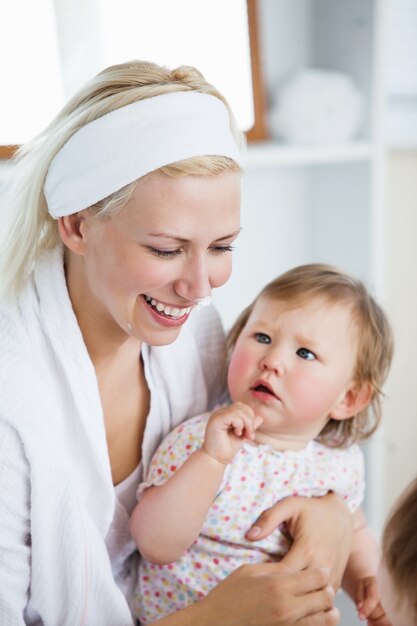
264,388
165,309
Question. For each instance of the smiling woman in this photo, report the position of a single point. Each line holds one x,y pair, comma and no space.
143,268
88,244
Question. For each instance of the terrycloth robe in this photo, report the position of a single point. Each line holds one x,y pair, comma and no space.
57,499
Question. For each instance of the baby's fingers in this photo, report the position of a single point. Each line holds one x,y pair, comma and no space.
378,617
257,422
244,421
367,598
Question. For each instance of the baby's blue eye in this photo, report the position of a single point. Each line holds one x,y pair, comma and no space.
262,338
306,354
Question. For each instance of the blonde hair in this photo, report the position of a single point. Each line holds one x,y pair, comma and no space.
399,546
374,337
27,229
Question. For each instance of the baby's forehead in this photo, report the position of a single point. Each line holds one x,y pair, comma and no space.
306,316
303,302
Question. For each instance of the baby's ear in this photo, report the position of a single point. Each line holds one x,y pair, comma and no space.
354,400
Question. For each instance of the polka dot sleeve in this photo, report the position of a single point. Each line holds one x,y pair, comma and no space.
351,477
174,451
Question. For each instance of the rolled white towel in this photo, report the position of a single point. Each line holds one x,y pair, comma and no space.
316,106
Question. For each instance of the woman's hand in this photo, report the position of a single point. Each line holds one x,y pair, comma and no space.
271,594
321,529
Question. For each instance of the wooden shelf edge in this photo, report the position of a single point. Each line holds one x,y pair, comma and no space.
6,152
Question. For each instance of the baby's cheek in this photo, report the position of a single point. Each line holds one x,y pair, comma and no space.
239,367
311,400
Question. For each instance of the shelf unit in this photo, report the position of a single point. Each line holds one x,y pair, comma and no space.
306,203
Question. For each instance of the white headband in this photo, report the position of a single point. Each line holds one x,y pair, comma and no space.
121,146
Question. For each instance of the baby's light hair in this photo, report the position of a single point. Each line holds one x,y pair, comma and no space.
26,228
374,349
399,547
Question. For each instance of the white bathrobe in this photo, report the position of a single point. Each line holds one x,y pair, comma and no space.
57,500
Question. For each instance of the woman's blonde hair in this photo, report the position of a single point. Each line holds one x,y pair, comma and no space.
374,347
399,546
27,229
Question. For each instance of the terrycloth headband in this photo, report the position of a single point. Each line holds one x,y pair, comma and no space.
120,147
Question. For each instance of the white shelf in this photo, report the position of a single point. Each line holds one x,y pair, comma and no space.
275,154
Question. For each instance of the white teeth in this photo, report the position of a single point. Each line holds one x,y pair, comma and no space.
167,310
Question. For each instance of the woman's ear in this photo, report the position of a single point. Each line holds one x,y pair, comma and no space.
71,230
355,399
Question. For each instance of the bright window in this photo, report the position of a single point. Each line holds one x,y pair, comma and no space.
211,35
31,87
49,48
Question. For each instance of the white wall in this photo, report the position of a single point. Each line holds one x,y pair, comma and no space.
400,413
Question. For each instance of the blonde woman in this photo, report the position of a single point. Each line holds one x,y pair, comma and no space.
119,222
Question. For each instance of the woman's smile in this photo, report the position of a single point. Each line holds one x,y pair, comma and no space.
167,310
166,315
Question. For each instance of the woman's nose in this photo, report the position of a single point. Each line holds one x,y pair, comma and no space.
194,284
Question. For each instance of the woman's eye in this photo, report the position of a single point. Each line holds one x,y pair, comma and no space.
165,253
221,249
306,354
262,338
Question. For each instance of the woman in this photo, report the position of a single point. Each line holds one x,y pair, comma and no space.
120,221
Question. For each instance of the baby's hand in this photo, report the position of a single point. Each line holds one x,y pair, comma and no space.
227,429
368,602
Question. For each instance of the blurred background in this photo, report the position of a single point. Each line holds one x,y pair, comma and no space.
327,92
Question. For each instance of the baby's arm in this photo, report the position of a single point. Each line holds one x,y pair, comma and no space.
359,580
169,517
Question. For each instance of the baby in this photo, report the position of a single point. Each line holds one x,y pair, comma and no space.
307,360
397,575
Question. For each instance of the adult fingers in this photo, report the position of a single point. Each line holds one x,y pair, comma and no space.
321,531
296,594
329,618
310,580
302,556
271,518
315,603
307,592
